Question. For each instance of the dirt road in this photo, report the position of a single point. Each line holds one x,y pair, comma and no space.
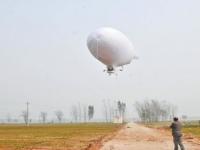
137,137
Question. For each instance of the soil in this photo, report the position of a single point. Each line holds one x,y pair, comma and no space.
138,137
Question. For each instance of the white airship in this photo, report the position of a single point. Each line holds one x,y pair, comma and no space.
111,47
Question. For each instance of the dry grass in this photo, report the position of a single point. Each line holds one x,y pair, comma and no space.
64,136
192,129
189,127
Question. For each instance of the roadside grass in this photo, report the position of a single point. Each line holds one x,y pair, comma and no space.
161,124
192,128
57,136
189,127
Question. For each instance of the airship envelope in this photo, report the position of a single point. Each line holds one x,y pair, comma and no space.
111,47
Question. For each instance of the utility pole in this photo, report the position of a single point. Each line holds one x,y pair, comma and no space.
27,115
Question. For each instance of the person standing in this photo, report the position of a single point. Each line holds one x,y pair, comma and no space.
177,134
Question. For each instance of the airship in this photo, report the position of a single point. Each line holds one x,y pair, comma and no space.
111,47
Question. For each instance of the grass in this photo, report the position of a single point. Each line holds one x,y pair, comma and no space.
189,127
192,128
63,136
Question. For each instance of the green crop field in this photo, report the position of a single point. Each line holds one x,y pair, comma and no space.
63,136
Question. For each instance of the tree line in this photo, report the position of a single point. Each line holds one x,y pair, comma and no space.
78,113
154,110
150,110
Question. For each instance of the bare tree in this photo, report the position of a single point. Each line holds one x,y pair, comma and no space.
173,110
121,109
25,116
43,116
153,110
105,110
90,112
111,111
74,113
59,115
79,112
141,111
85,113
8,118
165,111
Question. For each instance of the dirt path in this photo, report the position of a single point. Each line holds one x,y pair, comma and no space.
137,137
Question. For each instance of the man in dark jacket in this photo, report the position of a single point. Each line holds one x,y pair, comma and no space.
176,133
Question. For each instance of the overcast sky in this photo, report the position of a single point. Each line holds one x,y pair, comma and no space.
44,58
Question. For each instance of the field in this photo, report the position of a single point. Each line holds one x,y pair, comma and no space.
189,128
192,129
54,137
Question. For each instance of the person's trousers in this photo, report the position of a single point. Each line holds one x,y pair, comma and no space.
178,142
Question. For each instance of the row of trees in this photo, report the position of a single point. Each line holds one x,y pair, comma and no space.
154,110
78,114
82,115
148,111
114,110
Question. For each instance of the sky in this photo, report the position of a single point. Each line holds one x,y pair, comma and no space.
44,58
